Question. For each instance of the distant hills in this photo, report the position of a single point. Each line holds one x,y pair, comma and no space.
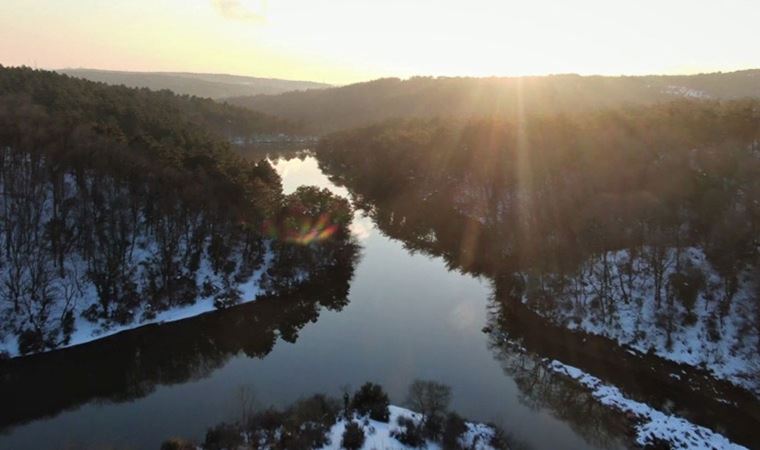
199,84
361,104
322,108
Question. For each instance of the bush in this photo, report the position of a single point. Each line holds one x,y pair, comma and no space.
432,426
506,441
265,424
318,409
410,433
30,342
353,437
307,436
177,444
223,436
686,286
453,429
371,400
227,298
308,422
429,398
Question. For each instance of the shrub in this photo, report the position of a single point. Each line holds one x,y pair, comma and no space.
432,426
307,436
307,423
431,399
371,400
223,436
30,342
410,434
686,286
318,408
230,296
453,429
506,441
177,444
265,424
353,437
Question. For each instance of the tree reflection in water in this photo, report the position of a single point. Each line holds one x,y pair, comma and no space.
131,365
543,389
427,221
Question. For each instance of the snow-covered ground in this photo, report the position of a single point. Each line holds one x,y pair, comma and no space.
683,91
652,424
378,434
718,332
86,330
55,299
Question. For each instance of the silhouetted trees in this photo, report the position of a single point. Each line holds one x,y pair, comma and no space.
432,400
560,189
117,204
371,401
595,213
505,98
307,424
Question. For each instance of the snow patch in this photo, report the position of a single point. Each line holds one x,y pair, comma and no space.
378,435
683,91
615,295
652,424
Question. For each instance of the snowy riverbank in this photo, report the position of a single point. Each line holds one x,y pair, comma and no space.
675,305
651,425
85,330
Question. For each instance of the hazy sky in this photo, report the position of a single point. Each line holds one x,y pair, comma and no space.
341,41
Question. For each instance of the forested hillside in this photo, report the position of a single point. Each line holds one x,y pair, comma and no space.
506,98
139,112
640,224
198,84
118,205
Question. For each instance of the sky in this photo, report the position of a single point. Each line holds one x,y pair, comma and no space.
345,41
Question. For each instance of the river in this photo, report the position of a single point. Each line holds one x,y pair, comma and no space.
407,316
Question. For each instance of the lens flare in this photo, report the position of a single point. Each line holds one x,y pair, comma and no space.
305,231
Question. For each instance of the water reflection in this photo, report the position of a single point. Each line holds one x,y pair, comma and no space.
542,388
131,365
403,316
522,339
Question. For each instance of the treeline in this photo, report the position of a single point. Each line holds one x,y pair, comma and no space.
634,221
139,112
367,103
118,204
209,85
556,188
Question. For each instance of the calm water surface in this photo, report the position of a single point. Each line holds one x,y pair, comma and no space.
408,317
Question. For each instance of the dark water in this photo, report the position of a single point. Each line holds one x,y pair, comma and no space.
401,315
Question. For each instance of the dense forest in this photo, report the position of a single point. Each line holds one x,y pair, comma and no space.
637,223
118,204
367,103
139,112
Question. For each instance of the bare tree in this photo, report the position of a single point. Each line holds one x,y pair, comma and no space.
429,397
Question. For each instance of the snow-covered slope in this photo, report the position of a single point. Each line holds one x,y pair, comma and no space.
84,296
378,435
615,295
653,425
